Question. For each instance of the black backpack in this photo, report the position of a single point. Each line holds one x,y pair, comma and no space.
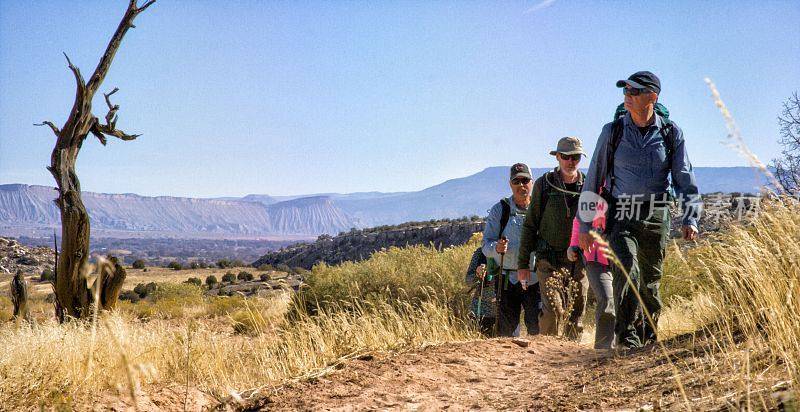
478,258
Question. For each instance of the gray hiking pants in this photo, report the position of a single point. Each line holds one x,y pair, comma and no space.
601,282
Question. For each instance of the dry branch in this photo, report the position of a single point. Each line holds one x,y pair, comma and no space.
73,296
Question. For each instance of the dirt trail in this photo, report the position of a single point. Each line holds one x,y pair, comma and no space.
548,374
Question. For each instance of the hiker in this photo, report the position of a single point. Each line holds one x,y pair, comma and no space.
501,240
546,235
600,280
630,169
483,308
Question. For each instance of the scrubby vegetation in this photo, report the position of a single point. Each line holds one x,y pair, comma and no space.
741,287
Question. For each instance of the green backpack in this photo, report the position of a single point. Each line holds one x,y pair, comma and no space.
667,132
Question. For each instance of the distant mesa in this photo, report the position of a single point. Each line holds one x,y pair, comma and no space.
29,210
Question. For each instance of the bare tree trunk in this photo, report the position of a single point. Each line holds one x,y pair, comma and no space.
19,297
71,289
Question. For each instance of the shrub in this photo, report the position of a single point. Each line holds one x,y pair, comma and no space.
265,277
211,281
283,268
194,281
237,263
266,267
47,275
138,264
130,296
245,276
412,275
224,263
228,277
194,265
175,265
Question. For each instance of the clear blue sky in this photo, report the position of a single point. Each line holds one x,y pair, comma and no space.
291,97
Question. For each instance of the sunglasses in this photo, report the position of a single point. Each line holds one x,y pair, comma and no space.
630,91
521,181
573,157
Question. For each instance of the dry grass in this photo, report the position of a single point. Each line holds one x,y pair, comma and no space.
221,345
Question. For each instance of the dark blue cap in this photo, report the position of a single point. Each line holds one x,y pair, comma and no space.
642,80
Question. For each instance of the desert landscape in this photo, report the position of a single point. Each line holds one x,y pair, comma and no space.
306,226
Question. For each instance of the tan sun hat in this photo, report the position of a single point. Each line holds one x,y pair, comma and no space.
569,146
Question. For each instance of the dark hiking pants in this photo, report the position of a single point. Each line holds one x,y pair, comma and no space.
639,244
515,300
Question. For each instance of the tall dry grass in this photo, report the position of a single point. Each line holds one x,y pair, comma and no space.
754,285
231,344
412,275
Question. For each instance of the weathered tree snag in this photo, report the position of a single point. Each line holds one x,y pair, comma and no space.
19,297
73,296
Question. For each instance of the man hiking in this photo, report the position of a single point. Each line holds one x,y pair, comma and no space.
546,235
631,167
501,243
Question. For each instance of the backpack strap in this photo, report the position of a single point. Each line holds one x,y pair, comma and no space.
667,132
611,148
544,195
504,216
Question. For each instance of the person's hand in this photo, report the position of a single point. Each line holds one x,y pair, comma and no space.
502,246
585,241
572,254
689,232
524,274
480,272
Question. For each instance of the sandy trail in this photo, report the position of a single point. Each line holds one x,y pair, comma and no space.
548,374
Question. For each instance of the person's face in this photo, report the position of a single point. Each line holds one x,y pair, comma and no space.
521,187
568,163
638,102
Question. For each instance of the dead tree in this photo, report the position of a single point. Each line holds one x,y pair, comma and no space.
787,168
73,295
19,297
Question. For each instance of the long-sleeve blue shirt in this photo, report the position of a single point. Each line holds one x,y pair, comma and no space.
641,167
491,234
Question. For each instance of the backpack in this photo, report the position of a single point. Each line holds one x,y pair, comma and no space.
478,257
667,133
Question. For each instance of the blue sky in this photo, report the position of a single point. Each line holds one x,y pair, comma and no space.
293,97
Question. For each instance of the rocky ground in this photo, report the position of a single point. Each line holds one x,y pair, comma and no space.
31,261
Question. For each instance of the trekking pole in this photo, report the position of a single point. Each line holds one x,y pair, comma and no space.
480,295
498,291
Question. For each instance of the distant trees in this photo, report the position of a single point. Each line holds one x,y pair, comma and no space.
787,167
175,265
138,264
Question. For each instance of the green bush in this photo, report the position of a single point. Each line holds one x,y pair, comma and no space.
175,265
224,264
245,276
138,264
228,277
211,281
194,265
47,275
194,281
265,277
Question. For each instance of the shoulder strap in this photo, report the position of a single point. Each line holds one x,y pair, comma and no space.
668,134
611,148
504,216
544,196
